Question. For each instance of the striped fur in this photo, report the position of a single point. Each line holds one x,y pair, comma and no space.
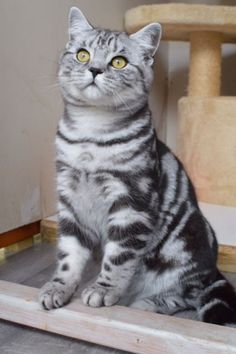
119,187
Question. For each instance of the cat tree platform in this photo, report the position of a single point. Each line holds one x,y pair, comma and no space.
207,136
179,21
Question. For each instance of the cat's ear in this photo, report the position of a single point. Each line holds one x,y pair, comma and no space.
149,37
77,22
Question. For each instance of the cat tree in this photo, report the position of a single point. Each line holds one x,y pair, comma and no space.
207,121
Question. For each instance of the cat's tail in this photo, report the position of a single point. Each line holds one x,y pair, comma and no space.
218,302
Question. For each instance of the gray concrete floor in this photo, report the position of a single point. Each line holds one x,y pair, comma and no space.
33,267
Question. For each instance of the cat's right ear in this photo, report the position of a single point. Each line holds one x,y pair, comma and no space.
148,38
77,22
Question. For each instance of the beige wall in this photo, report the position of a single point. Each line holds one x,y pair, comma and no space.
32,33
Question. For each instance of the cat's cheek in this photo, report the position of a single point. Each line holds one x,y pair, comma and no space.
74,91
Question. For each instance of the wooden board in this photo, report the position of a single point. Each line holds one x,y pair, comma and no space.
227,258
179,20
21,233
116,327
48,229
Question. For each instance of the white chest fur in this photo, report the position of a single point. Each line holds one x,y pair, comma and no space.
89,125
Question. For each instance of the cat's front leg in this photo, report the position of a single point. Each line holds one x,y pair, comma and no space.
73,255
127,240
118,267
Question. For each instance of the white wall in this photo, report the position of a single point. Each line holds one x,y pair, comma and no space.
32,33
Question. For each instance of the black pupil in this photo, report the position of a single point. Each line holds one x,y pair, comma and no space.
119,60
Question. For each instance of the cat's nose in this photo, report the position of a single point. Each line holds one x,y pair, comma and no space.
95,71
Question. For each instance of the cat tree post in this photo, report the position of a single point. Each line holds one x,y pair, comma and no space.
205,64
207,121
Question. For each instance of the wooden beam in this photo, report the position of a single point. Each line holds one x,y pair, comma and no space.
117,327
21,233
227,258
48,230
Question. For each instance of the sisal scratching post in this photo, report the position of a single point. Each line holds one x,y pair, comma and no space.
207,136
205,64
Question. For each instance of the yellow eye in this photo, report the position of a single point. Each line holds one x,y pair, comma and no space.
119,62
83,56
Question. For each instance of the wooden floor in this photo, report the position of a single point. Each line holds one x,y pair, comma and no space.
33,267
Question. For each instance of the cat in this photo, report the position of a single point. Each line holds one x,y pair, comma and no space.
122,189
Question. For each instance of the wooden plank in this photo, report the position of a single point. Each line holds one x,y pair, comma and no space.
180,20
117,327
226,256
48,230
21,233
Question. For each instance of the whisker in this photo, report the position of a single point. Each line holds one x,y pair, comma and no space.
120,99
52,86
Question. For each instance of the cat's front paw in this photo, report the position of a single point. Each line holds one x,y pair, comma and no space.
53,295
97,296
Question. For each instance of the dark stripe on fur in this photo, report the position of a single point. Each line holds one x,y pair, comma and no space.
65,267
61,255
153,260
59,280
62,166
134,243
118,233
141,149
119,204
70,208
69,228
106,285
122,258
142,132
107,267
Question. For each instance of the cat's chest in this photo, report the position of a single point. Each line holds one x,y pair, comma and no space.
83,156
87,156
90,202
91,194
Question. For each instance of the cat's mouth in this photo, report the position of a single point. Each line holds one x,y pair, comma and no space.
92,91
91,84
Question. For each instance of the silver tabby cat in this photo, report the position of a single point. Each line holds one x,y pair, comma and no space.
121,189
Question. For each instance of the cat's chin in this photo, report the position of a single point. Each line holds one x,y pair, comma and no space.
92,92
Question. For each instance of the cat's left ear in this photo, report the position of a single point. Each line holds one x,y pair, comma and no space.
77,22
149,38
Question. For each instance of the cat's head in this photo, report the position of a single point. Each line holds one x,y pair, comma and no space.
107,68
